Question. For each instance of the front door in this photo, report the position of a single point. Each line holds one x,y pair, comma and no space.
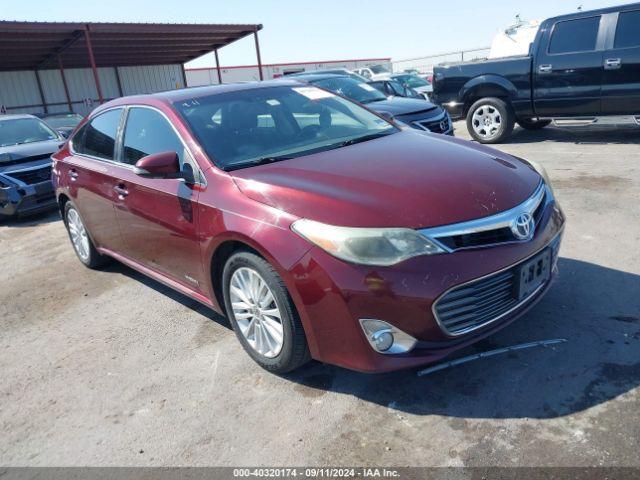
158,218
568,69
621,85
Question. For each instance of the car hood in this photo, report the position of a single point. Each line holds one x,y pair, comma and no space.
401,105
408,179
17,153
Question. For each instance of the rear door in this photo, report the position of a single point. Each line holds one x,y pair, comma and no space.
568,69
621,85
91,172
158,217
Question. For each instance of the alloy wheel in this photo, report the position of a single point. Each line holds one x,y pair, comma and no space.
486,121
79,237
256,312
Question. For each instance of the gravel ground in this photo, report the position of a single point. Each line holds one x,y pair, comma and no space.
110,368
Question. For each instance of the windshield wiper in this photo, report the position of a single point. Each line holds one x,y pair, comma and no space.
259,161
364,138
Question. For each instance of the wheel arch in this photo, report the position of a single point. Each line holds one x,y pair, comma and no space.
485,86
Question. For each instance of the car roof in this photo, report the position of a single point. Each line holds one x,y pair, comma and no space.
15,116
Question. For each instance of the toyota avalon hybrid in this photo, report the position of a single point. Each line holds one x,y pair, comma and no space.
320,229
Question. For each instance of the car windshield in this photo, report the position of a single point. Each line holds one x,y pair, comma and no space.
64,120
24,130
355,90
250,127
413,81
379,69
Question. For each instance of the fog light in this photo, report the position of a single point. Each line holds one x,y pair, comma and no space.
385,338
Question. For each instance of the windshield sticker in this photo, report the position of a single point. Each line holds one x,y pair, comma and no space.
367,87
313,93
273,102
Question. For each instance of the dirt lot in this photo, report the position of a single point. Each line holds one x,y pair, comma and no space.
110,368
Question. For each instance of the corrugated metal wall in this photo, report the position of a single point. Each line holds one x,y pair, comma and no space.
19,90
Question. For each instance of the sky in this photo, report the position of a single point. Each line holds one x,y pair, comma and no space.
299,30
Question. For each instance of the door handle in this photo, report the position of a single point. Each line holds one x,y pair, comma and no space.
545,68
121,190
73,174
612,64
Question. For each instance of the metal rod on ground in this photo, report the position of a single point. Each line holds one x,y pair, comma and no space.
490,353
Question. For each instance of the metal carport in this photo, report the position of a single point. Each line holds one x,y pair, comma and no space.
55,66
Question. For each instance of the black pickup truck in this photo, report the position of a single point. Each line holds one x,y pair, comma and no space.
582,69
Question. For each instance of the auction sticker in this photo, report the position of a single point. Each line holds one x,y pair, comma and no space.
313,93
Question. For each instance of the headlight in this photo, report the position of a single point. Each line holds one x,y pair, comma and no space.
366,246
543,173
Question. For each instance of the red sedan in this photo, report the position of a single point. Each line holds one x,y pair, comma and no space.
319,228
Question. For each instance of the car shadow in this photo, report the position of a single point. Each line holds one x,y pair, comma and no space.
596,309
590,135
40,218
117,267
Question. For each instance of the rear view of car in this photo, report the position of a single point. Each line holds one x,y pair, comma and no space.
26,145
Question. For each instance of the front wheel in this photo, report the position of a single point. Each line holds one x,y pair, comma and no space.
530,124
490,120
262,314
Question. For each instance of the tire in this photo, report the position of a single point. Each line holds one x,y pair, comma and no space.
490,120
529,124
84,248
289,350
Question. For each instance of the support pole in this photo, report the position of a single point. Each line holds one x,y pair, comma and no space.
119,82
44,102
92,61
64,84
184,76
218,66
255,36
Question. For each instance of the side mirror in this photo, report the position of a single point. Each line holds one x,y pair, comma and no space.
159,165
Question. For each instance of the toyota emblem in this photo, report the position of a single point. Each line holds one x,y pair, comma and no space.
523,226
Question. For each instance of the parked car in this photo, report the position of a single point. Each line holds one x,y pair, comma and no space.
26,145
419,84
393,88
64,123
582,69
319,228
373,72
416,113
334,71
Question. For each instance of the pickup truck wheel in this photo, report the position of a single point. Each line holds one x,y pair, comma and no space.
529,124
262,314
490,120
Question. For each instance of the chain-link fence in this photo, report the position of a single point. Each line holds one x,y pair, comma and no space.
426,64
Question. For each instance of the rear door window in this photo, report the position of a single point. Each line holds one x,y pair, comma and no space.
628,30
575,36
98,137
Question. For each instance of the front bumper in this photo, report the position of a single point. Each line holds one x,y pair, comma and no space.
22,200
440,123
332,296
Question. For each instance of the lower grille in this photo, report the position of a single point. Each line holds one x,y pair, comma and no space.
32,176
478,303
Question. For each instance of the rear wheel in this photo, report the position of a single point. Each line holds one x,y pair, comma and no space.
530,124
82,244
490,120
262,314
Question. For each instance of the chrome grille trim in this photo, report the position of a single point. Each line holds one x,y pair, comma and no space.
490,289
485,224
